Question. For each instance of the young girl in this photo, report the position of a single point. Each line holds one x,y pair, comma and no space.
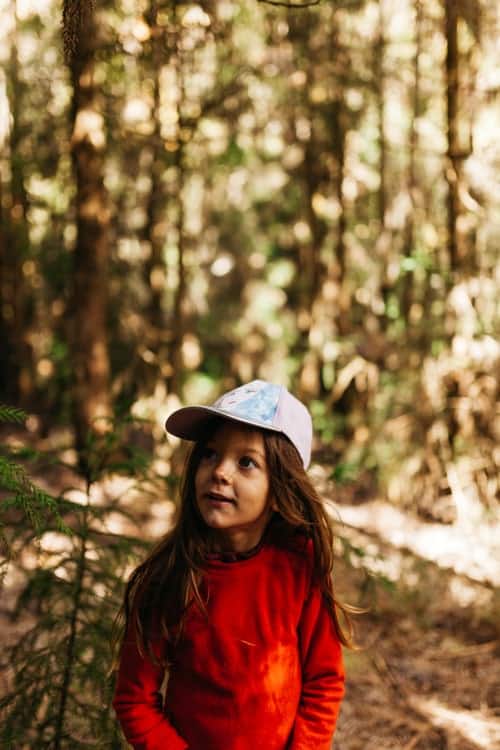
236,603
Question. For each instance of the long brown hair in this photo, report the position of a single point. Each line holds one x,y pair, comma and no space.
161,588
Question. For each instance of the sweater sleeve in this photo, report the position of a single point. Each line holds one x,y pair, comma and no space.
138,703
322,677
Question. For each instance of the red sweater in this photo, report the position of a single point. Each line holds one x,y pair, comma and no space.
264,672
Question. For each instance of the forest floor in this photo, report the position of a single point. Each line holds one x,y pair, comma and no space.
427,675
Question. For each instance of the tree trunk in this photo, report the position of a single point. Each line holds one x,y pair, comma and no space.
177,324
312,270
452,154
338,133
155,271
89,346
16,381
379,77
338,129
409,240
385,238
7,369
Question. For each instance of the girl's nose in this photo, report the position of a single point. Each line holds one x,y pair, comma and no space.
222,470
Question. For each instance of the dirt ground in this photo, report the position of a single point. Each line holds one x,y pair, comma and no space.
428,674
424,680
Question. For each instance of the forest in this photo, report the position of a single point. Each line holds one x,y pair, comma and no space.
194,194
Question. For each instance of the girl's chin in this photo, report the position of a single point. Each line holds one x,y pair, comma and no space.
216,519
214,512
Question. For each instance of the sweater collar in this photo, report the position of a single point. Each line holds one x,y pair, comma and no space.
236,556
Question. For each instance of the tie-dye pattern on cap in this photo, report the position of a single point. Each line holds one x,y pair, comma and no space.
257,401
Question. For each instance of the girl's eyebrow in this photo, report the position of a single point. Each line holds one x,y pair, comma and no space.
240,448
253,450
243,449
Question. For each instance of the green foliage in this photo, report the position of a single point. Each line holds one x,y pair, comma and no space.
108,451
233,156
60,691
327,422
345,472
21,497
33,502
11,414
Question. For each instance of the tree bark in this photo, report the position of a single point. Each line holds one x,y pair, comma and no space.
379,77
409,240
177,324
88,338
16,381
155,271
452,154
338,130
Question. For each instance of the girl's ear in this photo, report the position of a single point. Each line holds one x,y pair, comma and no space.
272,503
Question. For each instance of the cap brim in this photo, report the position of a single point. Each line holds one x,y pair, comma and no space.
189,422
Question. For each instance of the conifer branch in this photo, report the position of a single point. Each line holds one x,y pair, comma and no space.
12,414
74,595
34,502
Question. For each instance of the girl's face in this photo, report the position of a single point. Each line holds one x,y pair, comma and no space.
232,486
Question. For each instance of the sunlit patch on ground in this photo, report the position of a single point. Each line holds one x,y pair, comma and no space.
474,726
427,676
449,546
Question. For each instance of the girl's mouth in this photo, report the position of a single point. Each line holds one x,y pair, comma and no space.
215,497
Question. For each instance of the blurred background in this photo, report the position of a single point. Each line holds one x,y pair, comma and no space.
196,195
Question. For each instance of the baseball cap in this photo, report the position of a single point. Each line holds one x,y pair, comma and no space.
260,404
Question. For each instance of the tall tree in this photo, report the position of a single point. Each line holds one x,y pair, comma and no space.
379,52
177,317
413,186
16,380
154,233
338,132
452,171
322,124
88,336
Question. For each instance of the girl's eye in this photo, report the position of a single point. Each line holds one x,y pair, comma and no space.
247,463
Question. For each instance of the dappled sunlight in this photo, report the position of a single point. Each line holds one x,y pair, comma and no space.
156,407
55,542
89,126
27,8
161,514
136,111
477,727
449,546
